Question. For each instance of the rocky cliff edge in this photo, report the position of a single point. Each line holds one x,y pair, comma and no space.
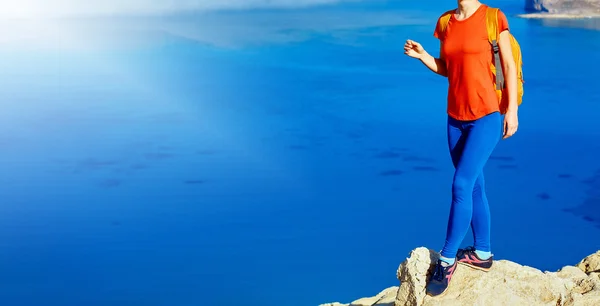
507,283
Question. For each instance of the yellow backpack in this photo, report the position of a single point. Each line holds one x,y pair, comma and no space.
492,29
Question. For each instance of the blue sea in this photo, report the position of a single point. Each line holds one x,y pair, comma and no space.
270,157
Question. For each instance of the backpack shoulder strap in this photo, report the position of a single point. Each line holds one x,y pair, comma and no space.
491,18
492,29
444,19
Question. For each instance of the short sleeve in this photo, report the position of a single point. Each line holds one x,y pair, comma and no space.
502,22
436,31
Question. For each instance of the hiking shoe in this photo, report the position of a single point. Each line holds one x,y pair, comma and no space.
440,278
469,257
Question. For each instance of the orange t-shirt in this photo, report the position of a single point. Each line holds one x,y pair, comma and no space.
468,56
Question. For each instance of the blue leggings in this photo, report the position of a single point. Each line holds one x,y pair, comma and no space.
471,143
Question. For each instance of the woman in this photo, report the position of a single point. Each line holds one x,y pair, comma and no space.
474,127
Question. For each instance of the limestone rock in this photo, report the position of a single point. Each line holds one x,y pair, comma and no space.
413,274
510,283
507,283
590,264
386,297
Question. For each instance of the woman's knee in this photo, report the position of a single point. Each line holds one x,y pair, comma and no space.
462,186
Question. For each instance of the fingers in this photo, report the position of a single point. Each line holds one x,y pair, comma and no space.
411,44
512,130
509,130
416,45
412,47
408,45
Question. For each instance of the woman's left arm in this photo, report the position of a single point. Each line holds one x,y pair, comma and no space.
509,69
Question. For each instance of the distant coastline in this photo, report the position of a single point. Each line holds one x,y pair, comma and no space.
561,9
559,15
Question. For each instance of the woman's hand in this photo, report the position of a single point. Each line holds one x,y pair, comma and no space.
414,49
511,123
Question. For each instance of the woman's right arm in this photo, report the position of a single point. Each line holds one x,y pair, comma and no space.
437,65
415,50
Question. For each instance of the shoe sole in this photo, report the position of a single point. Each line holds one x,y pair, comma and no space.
441,294
474,267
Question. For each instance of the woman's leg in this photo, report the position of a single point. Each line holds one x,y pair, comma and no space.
456,140
480,139
456,143
480,221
